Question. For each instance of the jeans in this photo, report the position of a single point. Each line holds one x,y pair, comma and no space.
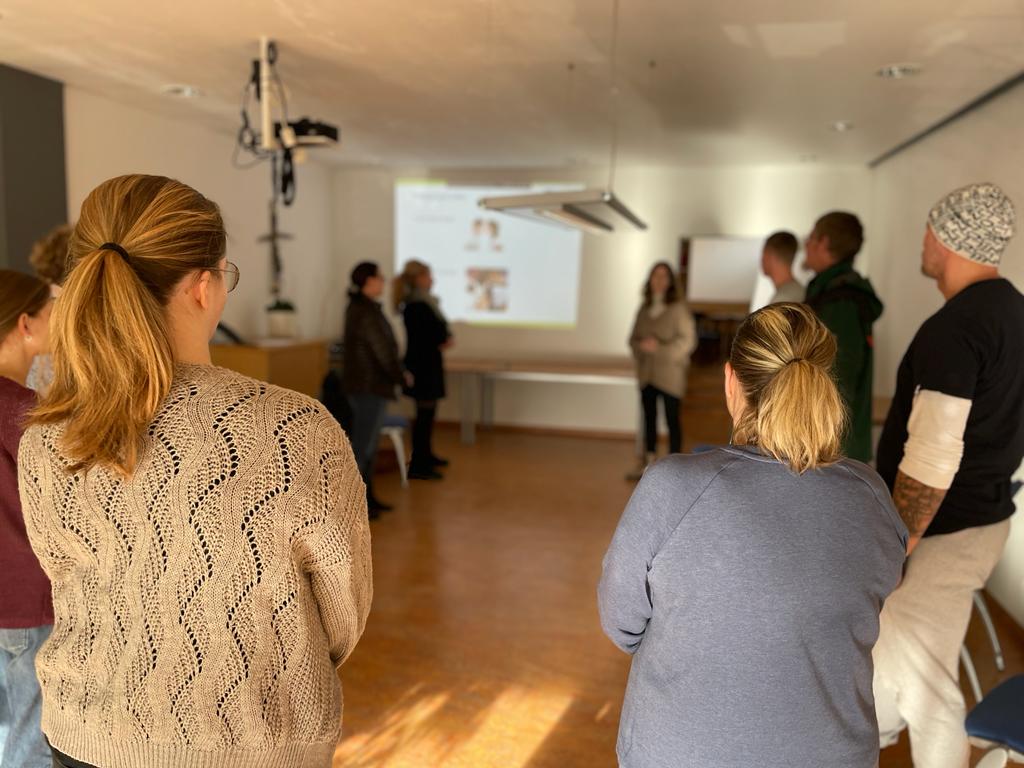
24,745
649,399
367,421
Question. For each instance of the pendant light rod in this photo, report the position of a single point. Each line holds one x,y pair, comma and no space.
613,77
586,209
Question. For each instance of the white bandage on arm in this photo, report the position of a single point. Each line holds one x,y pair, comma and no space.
935,442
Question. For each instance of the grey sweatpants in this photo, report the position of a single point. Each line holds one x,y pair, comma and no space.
922,627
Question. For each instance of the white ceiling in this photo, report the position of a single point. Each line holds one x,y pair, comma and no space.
489,83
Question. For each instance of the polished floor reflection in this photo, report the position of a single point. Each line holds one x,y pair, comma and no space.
484,649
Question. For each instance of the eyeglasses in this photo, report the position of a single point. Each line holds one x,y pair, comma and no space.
233,275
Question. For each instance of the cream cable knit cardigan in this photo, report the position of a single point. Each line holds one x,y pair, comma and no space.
203,607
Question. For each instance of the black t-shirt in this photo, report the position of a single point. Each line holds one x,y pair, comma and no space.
972,348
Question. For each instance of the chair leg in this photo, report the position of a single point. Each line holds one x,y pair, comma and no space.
986,617
972,674
398,440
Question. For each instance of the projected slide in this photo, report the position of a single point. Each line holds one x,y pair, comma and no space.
489,268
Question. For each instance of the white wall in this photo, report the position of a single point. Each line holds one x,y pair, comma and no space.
984,146
675,202
105,138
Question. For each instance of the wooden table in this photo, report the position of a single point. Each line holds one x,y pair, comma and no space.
728,309
477,377
724,318
294,364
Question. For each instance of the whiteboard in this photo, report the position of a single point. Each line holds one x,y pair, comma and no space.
723,269
727,270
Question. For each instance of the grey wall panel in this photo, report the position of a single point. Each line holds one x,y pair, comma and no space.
33,193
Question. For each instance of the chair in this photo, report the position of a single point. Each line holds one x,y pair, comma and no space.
394,429
986,618
972,673
997,723
997,649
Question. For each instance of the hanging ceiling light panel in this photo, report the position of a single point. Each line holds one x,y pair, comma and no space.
594,210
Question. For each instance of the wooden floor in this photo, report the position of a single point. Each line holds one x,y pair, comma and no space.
484,648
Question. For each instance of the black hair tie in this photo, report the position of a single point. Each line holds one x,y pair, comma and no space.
116,248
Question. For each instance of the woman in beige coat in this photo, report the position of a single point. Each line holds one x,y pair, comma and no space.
663,338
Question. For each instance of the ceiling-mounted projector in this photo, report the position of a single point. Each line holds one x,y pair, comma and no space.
305,133
283,142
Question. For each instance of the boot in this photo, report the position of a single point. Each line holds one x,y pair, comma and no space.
642,465
423,465
374,505
424,473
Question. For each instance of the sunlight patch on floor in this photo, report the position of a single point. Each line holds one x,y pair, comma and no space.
400,733
420,733
515,726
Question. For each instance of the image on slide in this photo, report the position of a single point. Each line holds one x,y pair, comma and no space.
485,236
488,288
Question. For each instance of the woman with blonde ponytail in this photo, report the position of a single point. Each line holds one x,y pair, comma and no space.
747,581
205,534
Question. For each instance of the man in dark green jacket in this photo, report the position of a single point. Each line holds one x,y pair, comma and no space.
848,306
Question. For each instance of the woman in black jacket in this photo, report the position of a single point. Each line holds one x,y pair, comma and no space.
427,335
371,370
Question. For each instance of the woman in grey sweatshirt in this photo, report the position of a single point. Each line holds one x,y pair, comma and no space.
747,581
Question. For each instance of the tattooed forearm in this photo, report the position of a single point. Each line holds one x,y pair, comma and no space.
916,502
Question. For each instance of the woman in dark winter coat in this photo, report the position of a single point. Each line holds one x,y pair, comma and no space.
371,371
427,335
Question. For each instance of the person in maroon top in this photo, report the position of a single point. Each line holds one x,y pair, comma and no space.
26,610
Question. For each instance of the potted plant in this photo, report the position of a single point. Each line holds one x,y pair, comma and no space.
281,319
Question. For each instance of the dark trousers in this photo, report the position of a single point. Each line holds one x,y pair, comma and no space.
649,399
367,421
423,438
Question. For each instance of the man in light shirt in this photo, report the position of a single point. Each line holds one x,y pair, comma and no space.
777,263
952,441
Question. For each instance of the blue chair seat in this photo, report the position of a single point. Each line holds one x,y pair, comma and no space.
396,420
999,717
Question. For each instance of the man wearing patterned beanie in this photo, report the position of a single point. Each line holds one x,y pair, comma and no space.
953,439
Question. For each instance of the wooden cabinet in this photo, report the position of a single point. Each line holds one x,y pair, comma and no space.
292,364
